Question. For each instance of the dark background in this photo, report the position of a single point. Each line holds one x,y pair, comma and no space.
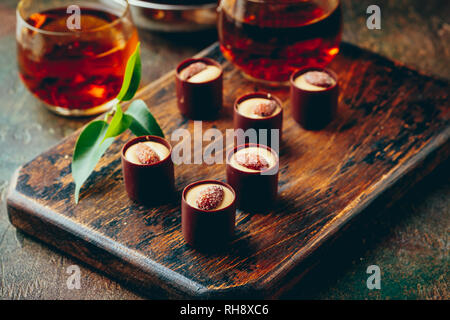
409,242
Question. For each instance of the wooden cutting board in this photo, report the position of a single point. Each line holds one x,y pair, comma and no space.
391,130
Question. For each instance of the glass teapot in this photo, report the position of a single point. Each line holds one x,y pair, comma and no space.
269,39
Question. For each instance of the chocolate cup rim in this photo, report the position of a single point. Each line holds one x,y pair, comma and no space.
193,184
259,94
233,150
301,71
183,64
135,140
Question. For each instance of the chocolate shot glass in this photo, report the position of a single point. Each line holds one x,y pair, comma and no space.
313,106
255,183
153,182
208,229
199,95
259,111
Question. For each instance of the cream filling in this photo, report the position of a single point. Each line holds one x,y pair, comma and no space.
161,150
246,107
208,74
301,83
193,193
262,152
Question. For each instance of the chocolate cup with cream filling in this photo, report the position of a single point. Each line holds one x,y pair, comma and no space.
149,184
254,190
203,100
208,229
313,110
274,121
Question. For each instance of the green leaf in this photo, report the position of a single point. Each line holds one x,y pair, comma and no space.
132,76
98,135
89,148
143,123
119,123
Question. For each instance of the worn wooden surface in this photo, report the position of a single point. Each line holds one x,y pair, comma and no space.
393,124
412,254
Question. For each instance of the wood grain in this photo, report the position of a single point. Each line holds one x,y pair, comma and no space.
391,119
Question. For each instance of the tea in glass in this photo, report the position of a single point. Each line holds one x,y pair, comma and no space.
75,71
269,39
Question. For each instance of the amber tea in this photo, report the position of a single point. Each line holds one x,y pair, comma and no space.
268,40
75,72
